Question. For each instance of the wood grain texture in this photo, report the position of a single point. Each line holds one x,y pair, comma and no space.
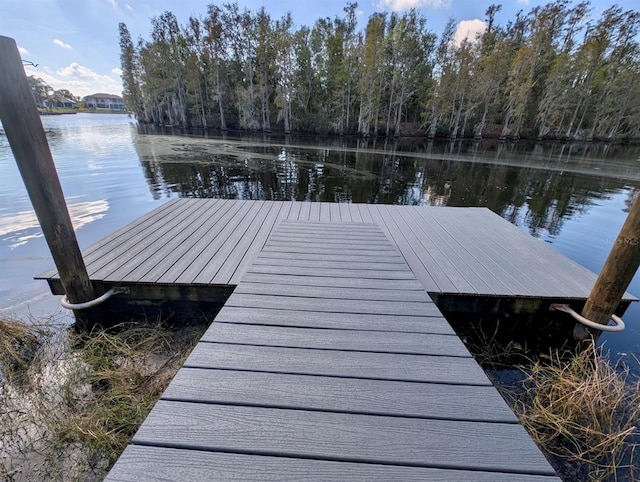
323,338
167,209
355,321
204,248
411,308
312,280
332,272
378,366
339,257
231,387
337,436
140,463
369,263
333,293
233,245
340,237
323,250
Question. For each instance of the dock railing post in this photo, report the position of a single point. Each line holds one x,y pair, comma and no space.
23,128
618,271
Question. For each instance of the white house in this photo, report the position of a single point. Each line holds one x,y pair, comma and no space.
104,102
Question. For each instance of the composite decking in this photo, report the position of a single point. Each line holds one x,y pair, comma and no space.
329,363
451,251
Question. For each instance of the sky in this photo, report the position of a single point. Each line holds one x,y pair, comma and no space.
75,42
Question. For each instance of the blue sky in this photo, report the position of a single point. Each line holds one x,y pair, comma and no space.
75,42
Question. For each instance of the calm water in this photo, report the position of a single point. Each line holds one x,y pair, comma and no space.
573,197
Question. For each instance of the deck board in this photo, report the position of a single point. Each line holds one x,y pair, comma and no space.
343,437
318,319
347,395
305,211
325,215
328,339
159,463
329,292
312,279
337,363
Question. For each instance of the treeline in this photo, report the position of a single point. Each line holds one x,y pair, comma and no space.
47,97
554,72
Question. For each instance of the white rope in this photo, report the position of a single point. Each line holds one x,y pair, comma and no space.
619,324
64,302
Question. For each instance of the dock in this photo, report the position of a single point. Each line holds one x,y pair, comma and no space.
330,358
330,362
198,250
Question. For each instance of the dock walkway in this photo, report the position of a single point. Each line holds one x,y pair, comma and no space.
328,362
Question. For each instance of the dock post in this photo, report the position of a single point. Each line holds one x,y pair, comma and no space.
23,128
618,271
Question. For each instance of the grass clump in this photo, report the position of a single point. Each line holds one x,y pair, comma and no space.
127,368
82,395
581,410
584,414
20,346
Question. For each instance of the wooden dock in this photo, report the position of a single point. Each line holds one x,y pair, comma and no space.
328,362
198,249
329,359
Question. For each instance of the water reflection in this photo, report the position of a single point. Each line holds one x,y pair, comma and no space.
537,187
18,228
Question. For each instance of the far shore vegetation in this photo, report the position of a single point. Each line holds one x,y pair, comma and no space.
563,70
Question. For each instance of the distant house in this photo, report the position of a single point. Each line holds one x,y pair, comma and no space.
60,101
66,103
104,101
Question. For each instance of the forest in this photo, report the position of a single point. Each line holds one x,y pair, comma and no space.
555,72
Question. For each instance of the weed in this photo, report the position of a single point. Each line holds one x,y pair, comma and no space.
584,413
73,402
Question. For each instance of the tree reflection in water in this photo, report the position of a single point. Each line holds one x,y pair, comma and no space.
538,186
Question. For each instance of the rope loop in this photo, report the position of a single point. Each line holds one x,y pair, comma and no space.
64,302
619,324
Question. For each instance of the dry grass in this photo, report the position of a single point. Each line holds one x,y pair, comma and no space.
73,402
20,346
585,414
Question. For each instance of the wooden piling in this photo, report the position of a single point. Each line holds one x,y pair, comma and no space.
23,128
618,271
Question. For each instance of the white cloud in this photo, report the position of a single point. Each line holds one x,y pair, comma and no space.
117,70
78,79
468,29
113,3
523,2
60,43
23,51
128,7
400,5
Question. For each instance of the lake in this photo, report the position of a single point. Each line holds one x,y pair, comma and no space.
572,196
